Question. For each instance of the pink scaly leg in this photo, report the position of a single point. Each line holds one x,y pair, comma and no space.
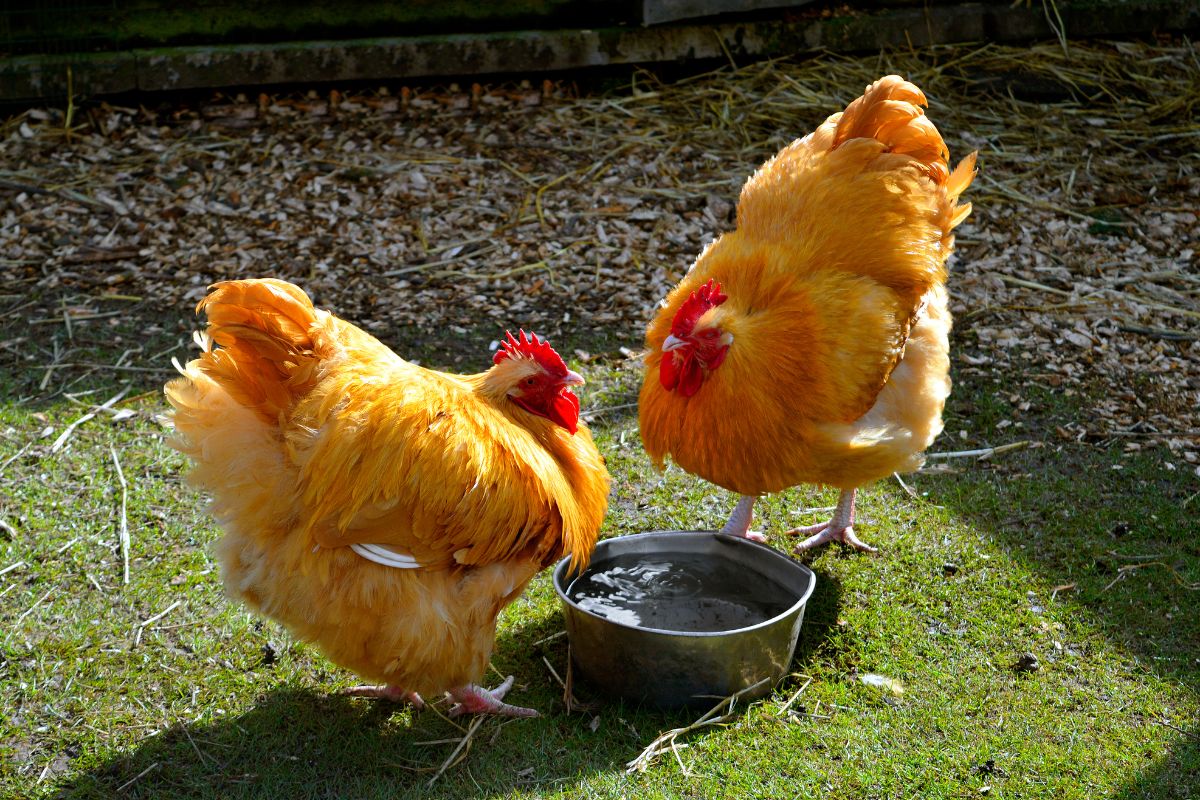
472,699
839,529
393,693
740,519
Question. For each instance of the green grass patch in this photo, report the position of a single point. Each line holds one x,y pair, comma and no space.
1080,554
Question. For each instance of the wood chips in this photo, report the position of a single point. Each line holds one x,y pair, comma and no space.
427,214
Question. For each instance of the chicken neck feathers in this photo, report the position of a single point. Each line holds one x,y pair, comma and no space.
440,475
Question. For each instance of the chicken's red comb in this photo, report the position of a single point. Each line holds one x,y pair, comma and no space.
529,346
707,296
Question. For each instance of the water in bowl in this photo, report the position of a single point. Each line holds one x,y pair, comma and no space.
679,592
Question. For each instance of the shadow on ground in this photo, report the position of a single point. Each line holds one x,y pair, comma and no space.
309,743
1076,512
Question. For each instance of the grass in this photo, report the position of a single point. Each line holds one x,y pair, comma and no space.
1082,555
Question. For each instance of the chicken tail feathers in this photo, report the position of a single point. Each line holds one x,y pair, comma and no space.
836,170
956,184
891,111
266,356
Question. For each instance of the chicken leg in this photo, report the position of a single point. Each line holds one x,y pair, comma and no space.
840,528
740,519
472,699
386,692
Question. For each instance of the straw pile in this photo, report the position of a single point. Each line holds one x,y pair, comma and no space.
567,210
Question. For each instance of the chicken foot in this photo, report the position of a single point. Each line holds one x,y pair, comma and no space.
386,692
839,529
472,699
740,519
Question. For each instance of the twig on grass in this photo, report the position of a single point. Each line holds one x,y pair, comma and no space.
124,533
1065,587
569,687
496,733
66,434
553,672
464,747
550,638
137,639
793,715
138,777
908,490
69,318
666,740
117,414
11,459
433,706
34,607
66,546
569,699
687,773
50,368
783,709
203,758
986,452
1166,724
1125,571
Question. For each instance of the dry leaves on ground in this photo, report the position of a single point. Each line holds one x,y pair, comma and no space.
441,211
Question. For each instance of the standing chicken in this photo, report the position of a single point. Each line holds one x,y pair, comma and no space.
810,344
385,511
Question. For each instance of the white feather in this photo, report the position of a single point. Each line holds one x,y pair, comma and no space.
385,556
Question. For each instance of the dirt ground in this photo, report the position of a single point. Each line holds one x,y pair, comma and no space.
445,214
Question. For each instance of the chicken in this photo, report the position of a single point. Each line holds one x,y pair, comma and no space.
810,345
384,511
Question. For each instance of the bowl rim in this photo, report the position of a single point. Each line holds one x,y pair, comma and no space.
739,541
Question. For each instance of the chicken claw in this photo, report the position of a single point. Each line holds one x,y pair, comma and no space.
740,519
838,529
826,532
393,693
474,699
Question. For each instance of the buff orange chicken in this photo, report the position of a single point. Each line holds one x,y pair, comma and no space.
810,345
384,511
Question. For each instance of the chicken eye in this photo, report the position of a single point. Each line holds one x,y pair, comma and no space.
530,381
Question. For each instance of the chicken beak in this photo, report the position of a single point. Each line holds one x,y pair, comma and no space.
573,379
673,342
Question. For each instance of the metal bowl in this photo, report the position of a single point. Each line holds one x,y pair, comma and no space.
671,669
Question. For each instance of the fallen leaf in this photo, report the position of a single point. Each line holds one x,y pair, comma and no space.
883,682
